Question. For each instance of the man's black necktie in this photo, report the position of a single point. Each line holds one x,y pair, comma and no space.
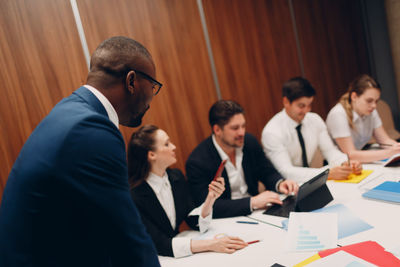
303,148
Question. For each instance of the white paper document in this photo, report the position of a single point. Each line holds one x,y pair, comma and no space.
311,231
340,258
395,251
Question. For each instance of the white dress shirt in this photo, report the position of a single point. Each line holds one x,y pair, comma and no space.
162,188
338,125
237,182
281,145
112,114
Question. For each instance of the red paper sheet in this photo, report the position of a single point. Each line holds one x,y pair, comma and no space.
369,251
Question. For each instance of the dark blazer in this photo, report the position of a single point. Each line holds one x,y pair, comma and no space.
67,199
203,163
154,216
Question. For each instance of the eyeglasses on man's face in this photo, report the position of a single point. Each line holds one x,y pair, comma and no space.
156,85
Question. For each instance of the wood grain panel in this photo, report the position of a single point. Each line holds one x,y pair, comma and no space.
171,31
42,61
255,52
333,47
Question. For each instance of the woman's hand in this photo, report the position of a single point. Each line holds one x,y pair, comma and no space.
224,244
227,244
216,188
394,149
356,166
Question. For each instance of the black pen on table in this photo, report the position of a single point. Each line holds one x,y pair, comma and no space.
248,222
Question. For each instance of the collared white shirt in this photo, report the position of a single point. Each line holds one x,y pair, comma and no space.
162,188
281,144
112,114
237,182
338,125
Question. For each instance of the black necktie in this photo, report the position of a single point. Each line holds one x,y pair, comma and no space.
303,148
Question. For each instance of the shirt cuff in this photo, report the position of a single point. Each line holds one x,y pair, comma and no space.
181,247
251,208
204,223
278,183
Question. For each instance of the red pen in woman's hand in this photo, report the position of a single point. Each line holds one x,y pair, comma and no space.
220,169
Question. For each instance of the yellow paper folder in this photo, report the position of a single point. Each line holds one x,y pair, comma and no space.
354,178
308,260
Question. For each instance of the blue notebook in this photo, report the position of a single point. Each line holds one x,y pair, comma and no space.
386,191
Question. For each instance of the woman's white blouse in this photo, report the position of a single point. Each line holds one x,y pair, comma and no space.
338,125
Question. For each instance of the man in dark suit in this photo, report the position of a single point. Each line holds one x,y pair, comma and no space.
67,200
246,165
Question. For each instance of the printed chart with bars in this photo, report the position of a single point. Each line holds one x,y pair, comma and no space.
306,240
311,231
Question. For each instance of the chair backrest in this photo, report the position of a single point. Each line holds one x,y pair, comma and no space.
387,119
318,159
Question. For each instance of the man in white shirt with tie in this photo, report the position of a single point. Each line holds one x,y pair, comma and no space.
291,138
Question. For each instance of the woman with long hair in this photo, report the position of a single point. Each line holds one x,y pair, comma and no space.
354,120
162,197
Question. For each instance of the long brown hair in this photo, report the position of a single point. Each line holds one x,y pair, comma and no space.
142,141
359,85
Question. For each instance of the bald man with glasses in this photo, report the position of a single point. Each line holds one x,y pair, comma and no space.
67,199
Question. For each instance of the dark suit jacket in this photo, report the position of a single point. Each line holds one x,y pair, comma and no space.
67,200
154,216
203,163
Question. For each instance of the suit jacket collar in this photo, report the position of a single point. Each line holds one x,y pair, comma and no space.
157,212
245,163
91,99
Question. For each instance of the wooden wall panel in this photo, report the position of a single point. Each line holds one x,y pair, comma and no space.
255,52
253,44
333,47
42,61
171,31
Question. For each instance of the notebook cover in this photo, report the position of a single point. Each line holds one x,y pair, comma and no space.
393,161
387,191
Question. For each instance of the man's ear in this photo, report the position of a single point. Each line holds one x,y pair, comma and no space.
285,101
130,81
216,129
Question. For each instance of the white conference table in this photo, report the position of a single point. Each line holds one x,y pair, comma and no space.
385,217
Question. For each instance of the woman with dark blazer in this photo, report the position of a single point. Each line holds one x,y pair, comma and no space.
162,197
